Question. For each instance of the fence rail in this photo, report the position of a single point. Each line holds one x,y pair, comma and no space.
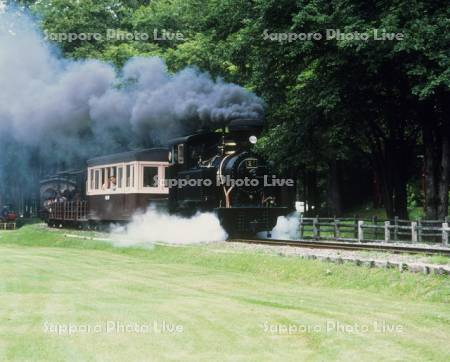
355,229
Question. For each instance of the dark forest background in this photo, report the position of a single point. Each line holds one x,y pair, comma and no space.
360,124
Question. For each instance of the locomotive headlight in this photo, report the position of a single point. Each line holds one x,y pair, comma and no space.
253,139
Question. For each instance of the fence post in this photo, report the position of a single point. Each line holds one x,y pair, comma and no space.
419,230
337,229
360,231
414,232
316,231
396,228
387,231
301,227
375,221
355,227
445,231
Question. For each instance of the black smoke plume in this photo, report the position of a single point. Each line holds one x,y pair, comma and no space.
56,112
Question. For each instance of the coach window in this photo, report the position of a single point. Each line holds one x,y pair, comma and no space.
113,177
162,175
174,154
119,177
91,179
97,179
105,178
181,153
150,173
128,175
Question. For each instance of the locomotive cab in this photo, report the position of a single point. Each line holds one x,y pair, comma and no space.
193,168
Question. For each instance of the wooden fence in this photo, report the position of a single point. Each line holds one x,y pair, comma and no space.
8,226
355,229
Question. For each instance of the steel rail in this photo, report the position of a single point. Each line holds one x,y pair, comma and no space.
346,246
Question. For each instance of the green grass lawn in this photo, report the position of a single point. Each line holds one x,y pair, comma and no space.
229,305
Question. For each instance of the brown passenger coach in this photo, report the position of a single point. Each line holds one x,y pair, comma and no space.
117,186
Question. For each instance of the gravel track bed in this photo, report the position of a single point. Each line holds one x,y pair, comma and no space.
373,258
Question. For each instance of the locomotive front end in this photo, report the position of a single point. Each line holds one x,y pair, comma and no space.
252,201
220,172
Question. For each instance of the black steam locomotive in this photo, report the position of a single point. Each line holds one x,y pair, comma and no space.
208,171
217,171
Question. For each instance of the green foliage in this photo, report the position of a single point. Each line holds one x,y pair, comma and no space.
415,195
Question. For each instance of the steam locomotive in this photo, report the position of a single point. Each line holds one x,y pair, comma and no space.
211,170
219,172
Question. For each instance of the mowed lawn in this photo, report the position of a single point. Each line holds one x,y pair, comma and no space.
226,305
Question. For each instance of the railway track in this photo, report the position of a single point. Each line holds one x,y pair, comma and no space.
315,244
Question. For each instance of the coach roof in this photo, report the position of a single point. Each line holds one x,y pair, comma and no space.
148,154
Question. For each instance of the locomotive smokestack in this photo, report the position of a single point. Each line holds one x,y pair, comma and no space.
254,125
245,131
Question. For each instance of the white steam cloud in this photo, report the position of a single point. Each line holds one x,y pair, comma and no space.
157,226
287,228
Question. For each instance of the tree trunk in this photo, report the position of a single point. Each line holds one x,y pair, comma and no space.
400,197
443,185
312,192
382,171
437,154
377,197
334,189
429,174
390,159
400,156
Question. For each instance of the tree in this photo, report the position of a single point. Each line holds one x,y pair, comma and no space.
373,88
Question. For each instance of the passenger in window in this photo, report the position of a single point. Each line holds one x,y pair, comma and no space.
113,182
105,185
